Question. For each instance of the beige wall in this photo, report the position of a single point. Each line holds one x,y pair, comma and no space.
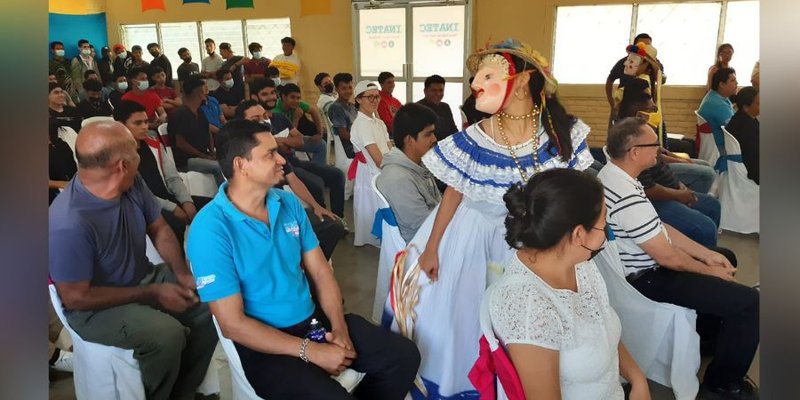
325,43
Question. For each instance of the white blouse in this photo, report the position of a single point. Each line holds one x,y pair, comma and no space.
369,130
580,325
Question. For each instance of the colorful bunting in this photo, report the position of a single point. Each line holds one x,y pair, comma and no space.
315,7
238,4
196,1
153,5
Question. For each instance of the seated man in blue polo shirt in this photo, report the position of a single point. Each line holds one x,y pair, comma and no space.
253,253
111,293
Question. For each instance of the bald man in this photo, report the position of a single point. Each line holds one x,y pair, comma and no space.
111,293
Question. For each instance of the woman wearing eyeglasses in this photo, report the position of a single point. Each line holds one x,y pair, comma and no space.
370,140
550,309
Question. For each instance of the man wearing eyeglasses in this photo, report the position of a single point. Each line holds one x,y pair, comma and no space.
666,266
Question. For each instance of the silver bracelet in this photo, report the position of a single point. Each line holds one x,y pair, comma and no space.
303,345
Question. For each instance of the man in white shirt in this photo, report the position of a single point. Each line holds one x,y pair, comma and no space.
666,266
288,62
211,64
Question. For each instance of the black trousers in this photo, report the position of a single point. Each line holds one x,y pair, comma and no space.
316,177
328,232
725,310
389,360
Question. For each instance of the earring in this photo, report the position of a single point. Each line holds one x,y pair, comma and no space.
521,97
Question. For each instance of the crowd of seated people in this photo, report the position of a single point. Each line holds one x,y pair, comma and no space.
500,206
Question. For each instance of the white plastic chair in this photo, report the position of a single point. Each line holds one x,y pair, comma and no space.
89,120
391,243
365,203
738,195
199,184
343,163
242,390
661,337
708,148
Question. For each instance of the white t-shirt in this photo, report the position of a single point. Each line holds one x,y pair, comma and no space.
580,325
288,75
369,130
212,63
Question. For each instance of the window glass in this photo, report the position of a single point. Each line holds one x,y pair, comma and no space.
741,31
268,33
177,35
225,31
141,35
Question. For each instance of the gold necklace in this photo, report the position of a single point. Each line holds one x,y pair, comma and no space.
533,114
529,115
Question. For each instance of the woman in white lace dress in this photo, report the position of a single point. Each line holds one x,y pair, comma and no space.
462,241
550,308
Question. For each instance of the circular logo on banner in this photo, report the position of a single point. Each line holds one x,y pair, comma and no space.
439,43
384,44
376,43
447,42
391,43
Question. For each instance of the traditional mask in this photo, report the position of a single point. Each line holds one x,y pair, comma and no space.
632,64
492,83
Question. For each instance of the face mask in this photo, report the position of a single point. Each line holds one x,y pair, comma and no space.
86,52
256,55
277,81
328,88
594,252
143,85
653,118
228,84
122,86
60,53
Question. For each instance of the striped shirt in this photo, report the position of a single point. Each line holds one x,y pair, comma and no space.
631,216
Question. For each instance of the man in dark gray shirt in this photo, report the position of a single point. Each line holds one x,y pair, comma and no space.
111,293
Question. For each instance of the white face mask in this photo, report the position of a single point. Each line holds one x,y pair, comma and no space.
122,85
277,81
228,84
60,53
86,52
143,85
256,55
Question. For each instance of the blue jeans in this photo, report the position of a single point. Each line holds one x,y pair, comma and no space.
699,222
698,176
316,151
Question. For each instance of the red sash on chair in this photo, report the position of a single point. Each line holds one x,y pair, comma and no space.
701,129
351,172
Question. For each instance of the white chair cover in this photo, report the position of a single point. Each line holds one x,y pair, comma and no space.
89,120
494,343
391,243
69,136
365,203
738,195
343,163
101,372
661,337
242,390
162,131
199,184
708,148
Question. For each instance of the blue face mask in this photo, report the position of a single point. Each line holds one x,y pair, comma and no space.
143,85
60,53
122,86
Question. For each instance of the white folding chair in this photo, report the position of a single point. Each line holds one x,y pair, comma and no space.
242,390
164,133
89,120
69,136
738,195
707,146
661,337
343,163
391,243
199,184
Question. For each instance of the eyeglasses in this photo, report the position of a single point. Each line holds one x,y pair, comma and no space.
656,144
373,97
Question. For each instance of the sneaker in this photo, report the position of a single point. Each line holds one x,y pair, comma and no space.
744,390
63,362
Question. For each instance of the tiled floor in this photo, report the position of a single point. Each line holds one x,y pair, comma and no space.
356,271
